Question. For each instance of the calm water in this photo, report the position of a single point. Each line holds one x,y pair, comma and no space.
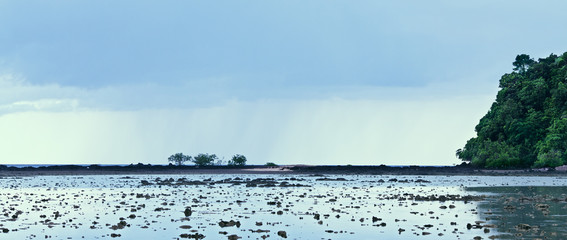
348,207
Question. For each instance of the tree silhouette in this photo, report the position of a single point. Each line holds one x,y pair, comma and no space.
237,160
204,159
179,159
522,63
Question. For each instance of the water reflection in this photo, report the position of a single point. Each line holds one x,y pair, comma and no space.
526,212
305,207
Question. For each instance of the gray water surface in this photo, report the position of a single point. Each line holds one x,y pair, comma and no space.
304,207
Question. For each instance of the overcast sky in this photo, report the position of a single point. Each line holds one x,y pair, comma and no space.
310,82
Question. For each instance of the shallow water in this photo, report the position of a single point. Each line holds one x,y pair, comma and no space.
323,207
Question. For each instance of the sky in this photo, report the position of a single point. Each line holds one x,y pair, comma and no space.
290,82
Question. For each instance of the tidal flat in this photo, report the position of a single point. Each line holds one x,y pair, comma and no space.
282,206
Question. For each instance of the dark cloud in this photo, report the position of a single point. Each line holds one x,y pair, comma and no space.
271,49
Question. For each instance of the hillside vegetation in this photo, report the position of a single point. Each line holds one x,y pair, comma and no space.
527,124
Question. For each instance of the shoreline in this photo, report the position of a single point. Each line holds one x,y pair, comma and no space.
140,169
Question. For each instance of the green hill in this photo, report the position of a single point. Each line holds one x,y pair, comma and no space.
527,124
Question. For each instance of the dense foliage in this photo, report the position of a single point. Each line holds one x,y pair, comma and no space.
179,159
527,124
204,159
237,160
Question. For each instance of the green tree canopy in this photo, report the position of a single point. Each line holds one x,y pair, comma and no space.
237,160
270,164
527,124
522,63
204,159
179,159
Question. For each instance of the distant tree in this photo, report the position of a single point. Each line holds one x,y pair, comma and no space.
270,164
204,159
522,63
237,160
179,159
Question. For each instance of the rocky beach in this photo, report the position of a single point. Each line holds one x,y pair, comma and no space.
282,203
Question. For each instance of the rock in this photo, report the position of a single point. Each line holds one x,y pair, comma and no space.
233,237
422,181
282,234
194,236
509,208
188,212
523,227
229,223
330,179
120,225
542,207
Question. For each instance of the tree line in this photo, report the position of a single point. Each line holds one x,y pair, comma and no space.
527,124
205,159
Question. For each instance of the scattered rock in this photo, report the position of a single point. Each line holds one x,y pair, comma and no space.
233,237
188,212
523,227
282,234
229,223
193,236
